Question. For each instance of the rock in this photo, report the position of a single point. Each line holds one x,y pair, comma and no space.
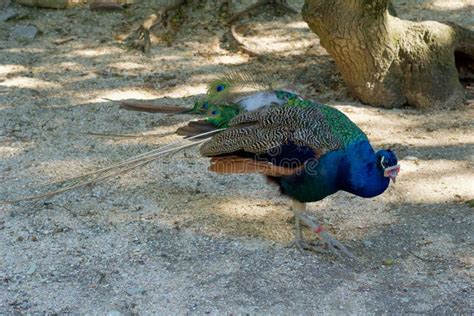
32,269
25,305
114,313
135,291
24,32
367,243
7,14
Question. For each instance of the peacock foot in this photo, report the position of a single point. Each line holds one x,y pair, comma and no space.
302,245
329,242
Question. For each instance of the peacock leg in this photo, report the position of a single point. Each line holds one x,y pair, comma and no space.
332,243
299,241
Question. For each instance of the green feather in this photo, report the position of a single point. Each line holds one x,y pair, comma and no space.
201,106
222,88
341,126
220,115
293,99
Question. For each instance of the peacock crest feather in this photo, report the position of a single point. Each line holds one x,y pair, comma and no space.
232,83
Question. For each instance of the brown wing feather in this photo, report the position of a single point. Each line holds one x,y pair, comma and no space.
195,128
236,164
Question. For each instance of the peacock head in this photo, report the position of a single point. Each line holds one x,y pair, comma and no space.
388,163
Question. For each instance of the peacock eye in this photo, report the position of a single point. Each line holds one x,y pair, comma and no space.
205,105
214,113
219,88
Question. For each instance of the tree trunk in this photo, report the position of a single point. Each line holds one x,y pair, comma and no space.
387,61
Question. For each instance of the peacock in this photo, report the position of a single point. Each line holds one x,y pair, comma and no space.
306,149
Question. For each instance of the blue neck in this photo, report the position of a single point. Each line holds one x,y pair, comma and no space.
359,172
353,169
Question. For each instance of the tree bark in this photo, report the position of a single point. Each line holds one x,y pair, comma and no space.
387,61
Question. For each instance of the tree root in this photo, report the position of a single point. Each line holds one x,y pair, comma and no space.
140,38
241,46
276,3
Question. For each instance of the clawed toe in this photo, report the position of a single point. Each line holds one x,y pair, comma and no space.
329,242
335,246
303,246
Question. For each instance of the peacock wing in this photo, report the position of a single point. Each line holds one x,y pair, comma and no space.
271,127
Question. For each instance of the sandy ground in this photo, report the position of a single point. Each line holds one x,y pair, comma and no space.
173,238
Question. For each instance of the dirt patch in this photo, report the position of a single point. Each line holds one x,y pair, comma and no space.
172,237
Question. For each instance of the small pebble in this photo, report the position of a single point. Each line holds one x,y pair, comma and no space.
24,32
368,243
135,290
405,299
25,305
32,269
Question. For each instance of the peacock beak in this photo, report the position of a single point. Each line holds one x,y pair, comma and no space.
392,172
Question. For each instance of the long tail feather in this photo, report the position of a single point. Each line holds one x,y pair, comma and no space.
150,107
122,167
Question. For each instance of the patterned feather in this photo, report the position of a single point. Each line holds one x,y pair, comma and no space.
261,130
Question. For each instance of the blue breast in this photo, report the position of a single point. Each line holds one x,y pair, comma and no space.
353,169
